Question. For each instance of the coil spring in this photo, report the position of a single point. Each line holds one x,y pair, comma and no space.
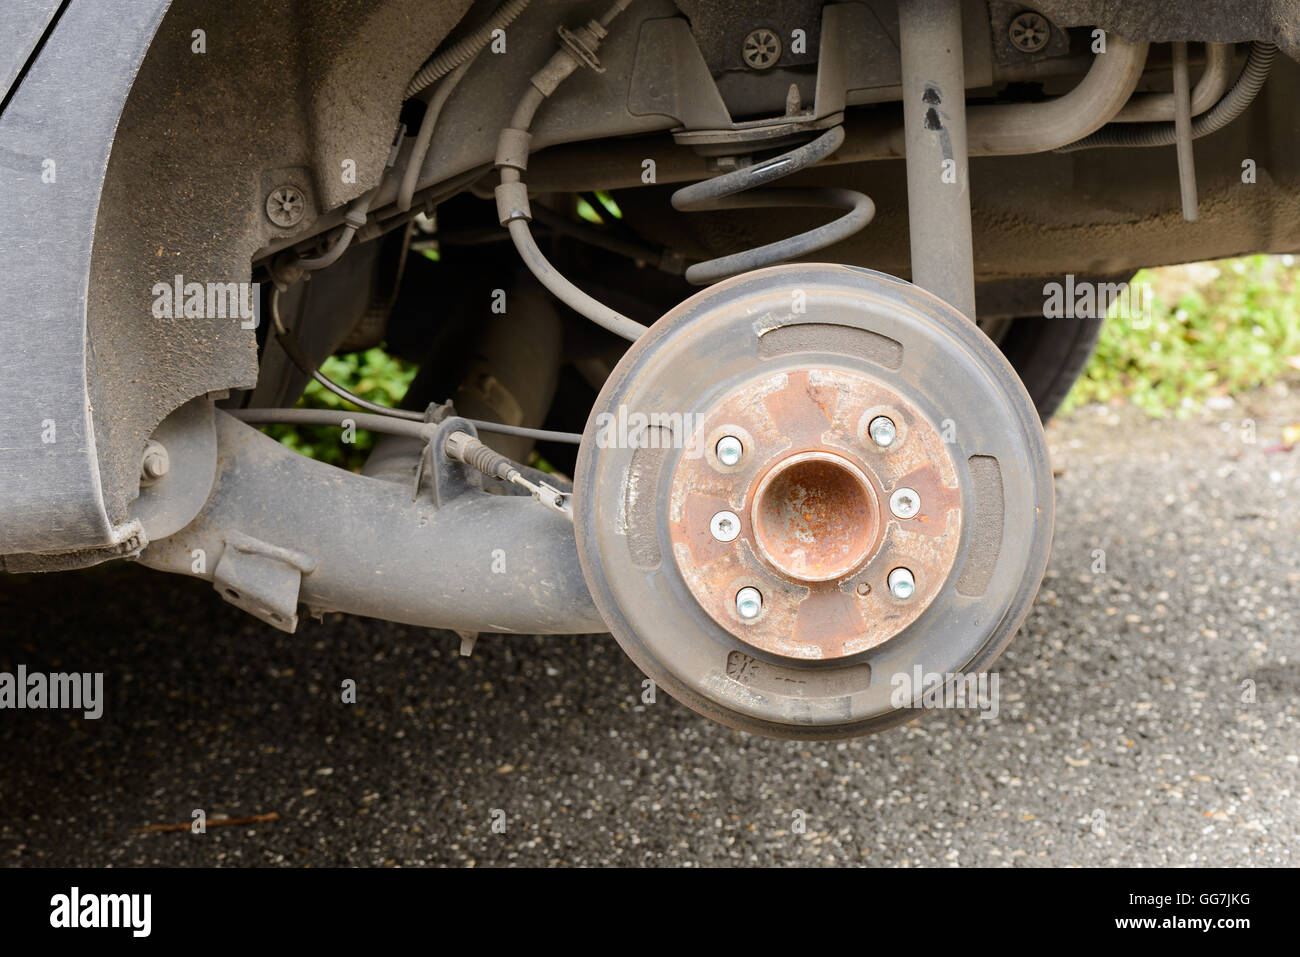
721,192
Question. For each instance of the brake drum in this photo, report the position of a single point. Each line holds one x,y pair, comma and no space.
806,481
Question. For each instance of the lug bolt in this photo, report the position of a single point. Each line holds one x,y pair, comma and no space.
904,503
725,526
882,431
749,602
729,449
901,584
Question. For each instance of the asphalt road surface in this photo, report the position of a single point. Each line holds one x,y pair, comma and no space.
1150,712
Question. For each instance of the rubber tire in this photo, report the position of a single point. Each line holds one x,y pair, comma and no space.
1050,355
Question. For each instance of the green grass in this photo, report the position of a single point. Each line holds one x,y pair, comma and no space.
372,374
1214,329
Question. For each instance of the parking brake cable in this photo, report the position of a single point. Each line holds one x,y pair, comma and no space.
458,446
577,49
453,64
293,349
292,268
463,447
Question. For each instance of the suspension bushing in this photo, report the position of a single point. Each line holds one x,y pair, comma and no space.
830,477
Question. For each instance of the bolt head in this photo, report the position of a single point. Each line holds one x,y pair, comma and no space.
901,584
155,463
904,503
725,526
749,602
883,431
730,449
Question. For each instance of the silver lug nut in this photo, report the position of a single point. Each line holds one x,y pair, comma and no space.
729,449
725,526
904,503
749,602
882,431
901,584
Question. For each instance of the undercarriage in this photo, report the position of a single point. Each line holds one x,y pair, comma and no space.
737,323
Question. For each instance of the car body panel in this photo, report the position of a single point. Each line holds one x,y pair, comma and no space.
55,137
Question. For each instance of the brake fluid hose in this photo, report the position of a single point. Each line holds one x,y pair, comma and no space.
577,49
453,63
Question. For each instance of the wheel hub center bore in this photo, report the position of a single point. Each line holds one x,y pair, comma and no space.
815,516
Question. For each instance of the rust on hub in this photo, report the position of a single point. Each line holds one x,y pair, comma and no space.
816,538
814,516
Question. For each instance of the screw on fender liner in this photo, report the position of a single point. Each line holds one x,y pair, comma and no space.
1029,31
761,49
285,206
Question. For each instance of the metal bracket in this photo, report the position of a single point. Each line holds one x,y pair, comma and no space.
167,504
855,53
449,477
467,641
556,500
262,579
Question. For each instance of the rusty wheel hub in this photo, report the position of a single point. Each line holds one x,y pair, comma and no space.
812,493
833,478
